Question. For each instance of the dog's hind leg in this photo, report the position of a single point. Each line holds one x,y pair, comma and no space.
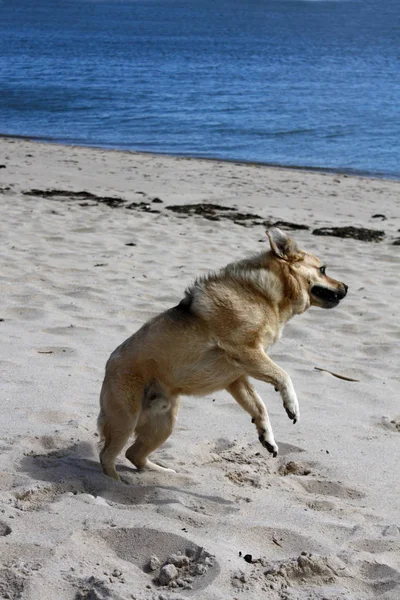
245,395
116,422
116,433
154,426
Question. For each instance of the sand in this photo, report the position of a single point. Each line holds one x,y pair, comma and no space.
80,273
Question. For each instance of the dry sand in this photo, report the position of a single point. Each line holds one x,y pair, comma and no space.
322,521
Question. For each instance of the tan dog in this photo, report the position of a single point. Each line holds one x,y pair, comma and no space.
214,339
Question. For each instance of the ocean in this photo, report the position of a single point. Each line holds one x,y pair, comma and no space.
288,82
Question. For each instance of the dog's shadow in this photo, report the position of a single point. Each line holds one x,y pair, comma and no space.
74,469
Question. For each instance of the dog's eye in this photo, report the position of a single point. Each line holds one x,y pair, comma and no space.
323,269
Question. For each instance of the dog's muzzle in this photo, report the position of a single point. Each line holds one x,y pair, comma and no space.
329,296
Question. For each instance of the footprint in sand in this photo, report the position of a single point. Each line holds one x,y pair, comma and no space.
34,497
380,577
330,488
4,529
11,584
376,545
170,560
390,424
386,539
285,449
242,464
247,465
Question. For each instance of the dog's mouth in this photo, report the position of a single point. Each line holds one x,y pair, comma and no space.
330,297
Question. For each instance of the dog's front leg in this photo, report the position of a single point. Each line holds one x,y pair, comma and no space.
245,395
257,364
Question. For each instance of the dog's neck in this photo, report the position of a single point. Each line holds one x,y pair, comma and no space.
261,281
274,281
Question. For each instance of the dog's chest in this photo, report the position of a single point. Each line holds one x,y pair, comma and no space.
272,335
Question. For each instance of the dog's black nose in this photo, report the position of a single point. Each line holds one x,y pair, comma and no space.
346,287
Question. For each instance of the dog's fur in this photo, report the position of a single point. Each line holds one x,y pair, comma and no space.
214,339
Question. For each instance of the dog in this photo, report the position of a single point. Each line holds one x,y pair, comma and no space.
215,338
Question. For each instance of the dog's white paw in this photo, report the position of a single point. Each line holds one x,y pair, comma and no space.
293,412
150,466
290,403
267,440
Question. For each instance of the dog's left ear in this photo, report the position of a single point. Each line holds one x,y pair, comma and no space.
281,245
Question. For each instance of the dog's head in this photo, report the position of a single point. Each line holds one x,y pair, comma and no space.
316,287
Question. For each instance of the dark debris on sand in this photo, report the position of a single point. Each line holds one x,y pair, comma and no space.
355,233
69,195
218,212
110,201
142,207
211,212
289,225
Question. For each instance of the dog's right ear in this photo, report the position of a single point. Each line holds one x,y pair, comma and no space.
281,245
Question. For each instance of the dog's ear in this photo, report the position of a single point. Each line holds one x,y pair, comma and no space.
281,245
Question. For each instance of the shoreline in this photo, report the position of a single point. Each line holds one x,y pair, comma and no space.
347,172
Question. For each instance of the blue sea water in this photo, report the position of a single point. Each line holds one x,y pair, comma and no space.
292,82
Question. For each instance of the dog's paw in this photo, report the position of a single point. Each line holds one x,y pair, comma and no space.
270,445
290,401
150,466
293,416
291,405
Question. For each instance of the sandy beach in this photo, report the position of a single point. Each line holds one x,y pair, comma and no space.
90,250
